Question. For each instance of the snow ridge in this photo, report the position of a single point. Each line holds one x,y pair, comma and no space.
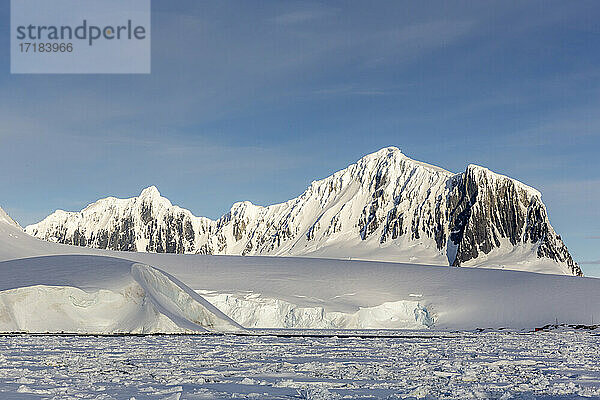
4,217
385,207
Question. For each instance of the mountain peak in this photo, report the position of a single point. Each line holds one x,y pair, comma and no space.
150,192
386,206
244,204
397,154
153,196
383,153
388,150
476,167
478,170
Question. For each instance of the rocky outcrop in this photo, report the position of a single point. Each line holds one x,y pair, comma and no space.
488,210
384,207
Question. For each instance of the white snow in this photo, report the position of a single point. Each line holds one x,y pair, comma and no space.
288,292
335,217
495,365
47,287
183,306
5,218
256,311
95,294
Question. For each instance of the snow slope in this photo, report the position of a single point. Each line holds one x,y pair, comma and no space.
6,219
453,298
292,292
93,293
384,207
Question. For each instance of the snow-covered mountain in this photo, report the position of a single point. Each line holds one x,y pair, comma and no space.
384,207
49,287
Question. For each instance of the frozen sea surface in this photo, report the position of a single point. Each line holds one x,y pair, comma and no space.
501,365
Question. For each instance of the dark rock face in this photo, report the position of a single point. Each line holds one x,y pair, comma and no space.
171,233
480,212
483,212
385,198
486,210
551,244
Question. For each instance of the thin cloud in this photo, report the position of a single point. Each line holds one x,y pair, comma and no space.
297,17
583,188
353,91
595,262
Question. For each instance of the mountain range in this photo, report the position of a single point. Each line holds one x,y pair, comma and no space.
385,207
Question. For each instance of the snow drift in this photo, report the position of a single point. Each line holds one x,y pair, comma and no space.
95,294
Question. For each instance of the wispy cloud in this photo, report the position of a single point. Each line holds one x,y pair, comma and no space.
300,16
571,125
352,90
595,262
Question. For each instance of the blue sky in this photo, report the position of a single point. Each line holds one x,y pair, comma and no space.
252,100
